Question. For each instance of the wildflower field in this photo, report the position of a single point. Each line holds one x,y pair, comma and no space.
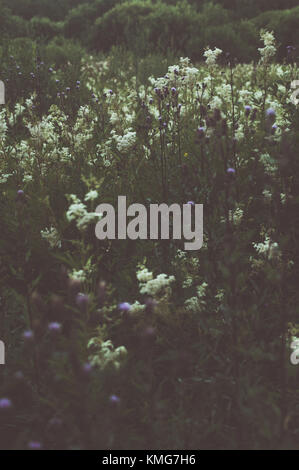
139,344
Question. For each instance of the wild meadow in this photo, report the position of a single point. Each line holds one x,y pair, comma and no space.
139,344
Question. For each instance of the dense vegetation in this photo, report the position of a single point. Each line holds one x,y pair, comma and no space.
139,344
186,26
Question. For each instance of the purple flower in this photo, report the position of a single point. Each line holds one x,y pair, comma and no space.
20,195
271,114
68,88
34,445
114,399
28,335
57,81
5,403
110,91
124,306
201,131
191,203
19,375
87,367
54,326
50,70
82,300
55,422
274,128
247,110
173,90
231,171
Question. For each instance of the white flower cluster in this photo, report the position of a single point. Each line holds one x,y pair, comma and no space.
268,249
106,354
197,303
154,286
78,212
78,275
3,125
211,56
269,49
136,308
51,236
126,141
269,163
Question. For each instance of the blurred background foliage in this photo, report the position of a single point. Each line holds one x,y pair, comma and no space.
184,26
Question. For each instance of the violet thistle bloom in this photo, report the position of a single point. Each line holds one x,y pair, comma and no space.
5,404
271,115
273,129
247,110
28,335
124,306
54,327
78,82
231,171
19,375
87,368
68,89
20,196
82,301
201,132
114,399
110,91
34,445
173,90
55,422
